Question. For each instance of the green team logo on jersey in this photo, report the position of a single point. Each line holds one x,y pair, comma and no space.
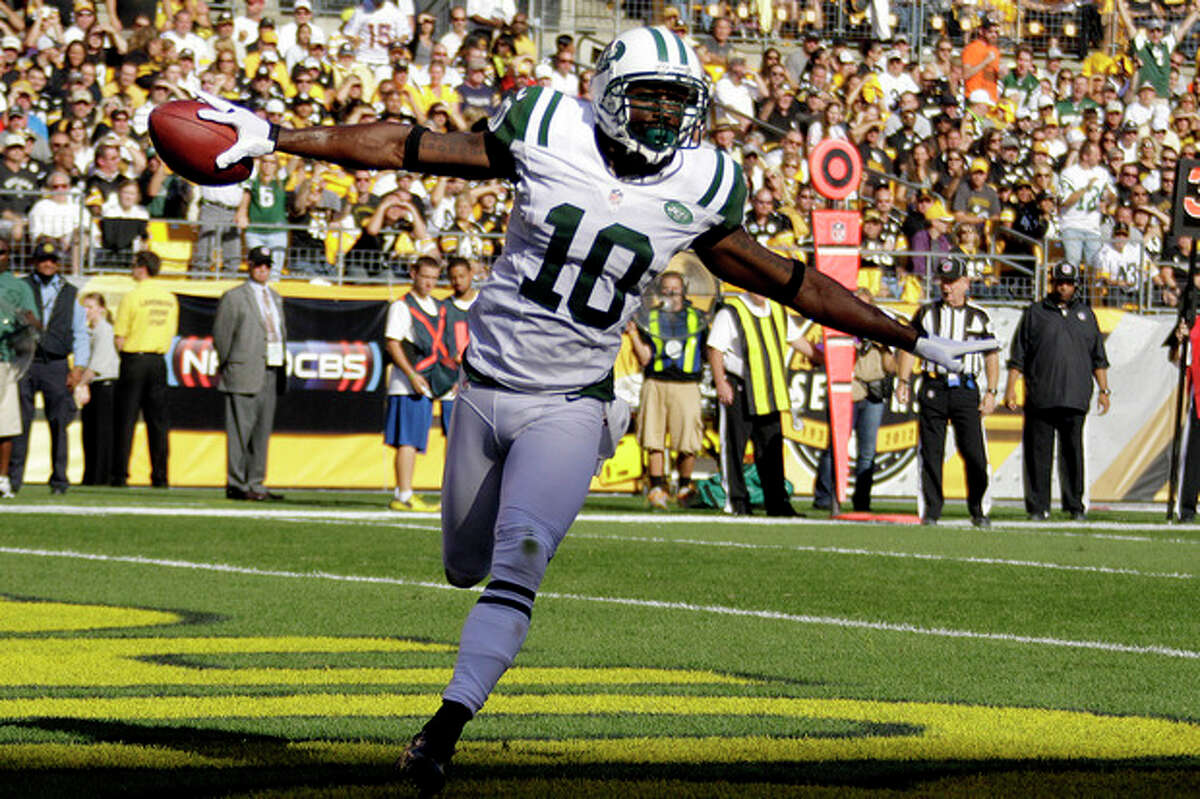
610,55
678,212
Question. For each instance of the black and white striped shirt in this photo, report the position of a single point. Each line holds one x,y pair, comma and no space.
960,324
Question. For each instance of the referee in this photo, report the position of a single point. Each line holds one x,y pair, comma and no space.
146,322
955,398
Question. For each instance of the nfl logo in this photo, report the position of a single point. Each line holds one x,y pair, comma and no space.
614,198
838,231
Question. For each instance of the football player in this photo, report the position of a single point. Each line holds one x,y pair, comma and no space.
607,191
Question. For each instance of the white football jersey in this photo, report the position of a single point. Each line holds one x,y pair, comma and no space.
582,245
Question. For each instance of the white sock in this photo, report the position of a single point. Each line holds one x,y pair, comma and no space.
403,496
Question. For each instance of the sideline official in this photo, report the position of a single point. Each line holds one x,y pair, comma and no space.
250,337
957,399
1058,347
147,319
64,333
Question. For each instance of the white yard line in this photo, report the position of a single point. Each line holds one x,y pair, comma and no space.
827,621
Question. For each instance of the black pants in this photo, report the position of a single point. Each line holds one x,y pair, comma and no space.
1189,488
142,386
959,407
766,431
1037,447
99,429
50,378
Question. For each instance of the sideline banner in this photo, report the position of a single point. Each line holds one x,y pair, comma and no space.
336,367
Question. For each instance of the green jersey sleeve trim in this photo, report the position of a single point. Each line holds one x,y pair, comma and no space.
735,204
512,120
716,181
544,130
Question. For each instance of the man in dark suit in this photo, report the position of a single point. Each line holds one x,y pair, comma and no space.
64,333
250,336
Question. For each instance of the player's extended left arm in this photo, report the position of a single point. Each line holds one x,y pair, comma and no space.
737,258
375,145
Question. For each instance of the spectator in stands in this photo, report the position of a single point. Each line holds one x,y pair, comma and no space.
123,225
452,40
981,60
390,237
932,242
1084,191
374,25
19,183
262,213
57,216
975,202
716,48
736,92
1153,46
312,210
564,78
478,99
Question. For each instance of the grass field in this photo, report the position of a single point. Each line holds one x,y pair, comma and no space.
175,644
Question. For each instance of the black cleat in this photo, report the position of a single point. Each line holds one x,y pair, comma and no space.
1078,516
982,522
1040,516
423,767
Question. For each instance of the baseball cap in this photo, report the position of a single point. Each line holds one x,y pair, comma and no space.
951,269
1115,107
846,57
1064,272
1120,229
979,96
259,255
541,71
302,97
305,4
1156,24
224,18
262,72
14,140
1010,142
346,49
275,106
269,55
10,43
268,36
46,251
938,213
477,63
85,6
81,96
980,165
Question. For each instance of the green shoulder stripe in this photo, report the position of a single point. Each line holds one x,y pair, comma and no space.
735,204
683,56
512,119
716,181
544,130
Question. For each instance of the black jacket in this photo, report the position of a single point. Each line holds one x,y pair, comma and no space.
1056,348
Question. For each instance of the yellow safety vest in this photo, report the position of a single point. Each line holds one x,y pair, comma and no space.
765,338
689,362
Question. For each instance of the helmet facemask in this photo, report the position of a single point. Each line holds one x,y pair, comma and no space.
654,115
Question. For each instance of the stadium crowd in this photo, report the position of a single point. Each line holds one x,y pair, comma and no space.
1002,159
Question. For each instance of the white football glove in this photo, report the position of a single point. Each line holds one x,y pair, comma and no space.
948,353
256,136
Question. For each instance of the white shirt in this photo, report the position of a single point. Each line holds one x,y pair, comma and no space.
738,96
400,328
492,9
104,362
725,335
57,220
1084,214
193,42
567,84
1120,266
377,28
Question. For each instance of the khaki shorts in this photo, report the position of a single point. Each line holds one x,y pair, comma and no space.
10,401
670,408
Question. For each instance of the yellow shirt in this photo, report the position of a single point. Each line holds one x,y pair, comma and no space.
147,318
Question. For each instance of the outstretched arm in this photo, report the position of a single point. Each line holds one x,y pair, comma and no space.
739,259
376,145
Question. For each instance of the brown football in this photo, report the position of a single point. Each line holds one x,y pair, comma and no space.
190,145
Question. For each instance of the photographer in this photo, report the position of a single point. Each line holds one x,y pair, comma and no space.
394,232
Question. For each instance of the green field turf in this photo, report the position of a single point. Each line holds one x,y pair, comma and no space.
171,643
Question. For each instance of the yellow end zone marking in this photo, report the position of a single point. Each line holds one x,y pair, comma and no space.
954,732
18,616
